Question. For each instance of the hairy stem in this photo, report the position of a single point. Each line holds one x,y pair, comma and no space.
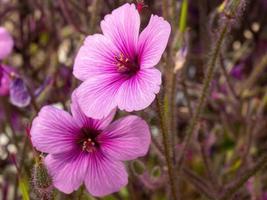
227,78
215,52
204,93
167,145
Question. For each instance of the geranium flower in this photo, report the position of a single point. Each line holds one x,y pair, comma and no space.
84,150
117,67
6,43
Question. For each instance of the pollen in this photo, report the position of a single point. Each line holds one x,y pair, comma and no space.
88,145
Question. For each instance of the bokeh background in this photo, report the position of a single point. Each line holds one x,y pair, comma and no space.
231,135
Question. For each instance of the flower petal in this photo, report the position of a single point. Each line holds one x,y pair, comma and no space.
126,139
53,130
139,91
67,170
96,56
85,121
153,41
6,43
122,27
104,176
19,94
97,96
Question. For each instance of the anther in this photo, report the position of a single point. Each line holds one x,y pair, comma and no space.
125,65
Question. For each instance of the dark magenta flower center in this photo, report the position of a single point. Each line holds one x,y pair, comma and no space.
126,65
88,141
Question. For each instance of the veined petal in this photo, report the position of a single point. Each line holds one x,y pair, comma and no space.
153,41
104,176
67,170
97,96
95,57
122,27
85,121
139,91
6,43
53,131
126,139
104,122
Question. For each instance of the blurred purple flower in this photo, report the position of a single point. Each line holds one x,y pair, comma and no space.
5,79
118,67
85,150
237,71
19,94
264,196
6,43
218,90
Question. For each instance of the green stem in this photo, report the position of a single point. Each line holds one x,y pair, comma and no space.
167,145
183,16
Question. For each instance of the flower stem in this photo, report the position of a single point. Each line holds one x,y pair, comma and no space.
227,78
167,145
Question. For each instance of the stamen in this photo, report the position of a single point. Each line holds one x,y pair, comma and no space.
88,140
125,65
88,145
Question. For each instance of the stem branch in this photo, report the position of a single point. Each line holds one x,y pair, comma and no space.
204,93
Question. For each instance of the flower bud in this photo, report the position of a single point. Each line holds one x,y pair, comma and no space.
6,43
138,167
180,58
42,182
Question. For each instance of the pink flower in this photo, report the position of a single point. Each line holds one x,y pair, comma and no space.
118,67
6,43
84,150
5,78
